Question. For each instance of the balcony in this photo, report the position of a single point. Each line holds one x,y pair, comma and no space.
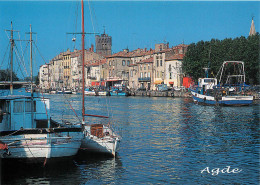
146,79
91,77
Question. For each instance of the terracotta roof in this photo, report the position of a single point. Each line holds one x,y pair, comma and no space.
175,57
97,63
135,53
121,54
149,60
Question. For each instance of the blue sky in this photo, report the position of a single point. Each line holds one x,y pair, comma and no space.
132,24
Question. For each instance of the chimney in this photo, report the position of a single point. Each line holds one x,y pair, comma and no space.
92,48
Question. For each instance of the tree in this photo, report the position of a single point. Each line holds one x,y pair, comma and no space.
215,52
5,75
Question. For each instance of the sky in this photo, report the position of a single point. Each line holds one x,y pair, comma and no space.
132,24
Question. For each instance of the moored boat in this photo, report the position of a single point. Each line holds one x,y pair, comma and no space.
26,131
97,137
211,91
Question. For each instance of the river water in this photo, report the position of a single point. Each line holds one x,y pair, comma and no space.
164,141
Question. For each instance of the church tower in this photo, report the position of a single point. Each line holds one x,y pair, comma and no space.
103,44
252,29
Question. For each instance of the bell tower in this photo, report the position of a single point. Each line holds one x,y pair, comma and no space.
103,44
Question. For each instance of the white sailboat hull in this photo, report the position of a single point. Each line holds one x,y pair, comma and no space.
100,145
108,143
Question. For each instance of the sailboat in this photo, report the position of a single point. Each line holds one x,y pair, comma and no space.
26,129
98,138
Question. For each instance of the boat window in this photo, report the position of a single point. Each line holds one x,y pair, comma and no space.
208,80
28,106
18,106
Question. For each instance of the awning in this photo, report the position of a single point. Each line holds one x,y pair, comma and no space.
113,80
94,83
158,81
171,83
98,84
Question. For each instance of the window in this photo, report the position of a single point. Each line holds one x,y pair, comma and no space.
131,73
128,62
18,107
145,75
157,63
140,67
149,74
170,67
28,106
160,62
148,66
141,75
170,75
109,63
123,63
144,67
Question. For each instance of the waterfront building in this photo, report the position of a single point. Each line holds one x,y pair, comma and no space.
159,64
56,72
145,68
103,44
75,70
66,62
44,77
133,76
96,73
117,65
141,79
173,70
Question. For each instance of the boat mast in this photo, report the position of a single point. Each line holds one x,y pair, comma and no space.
31,69
12,51
31,66
83,64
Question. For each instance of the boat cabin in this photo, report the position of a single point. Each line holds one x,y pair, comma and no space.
18,112
207,83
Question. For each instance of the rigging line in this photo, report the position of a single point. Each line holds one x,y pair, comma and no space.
72,107
22,61
19,66
96,20
76,15
21,45
39,53
91,16
44,104
5,54
34,59
25,51
6,77
19,60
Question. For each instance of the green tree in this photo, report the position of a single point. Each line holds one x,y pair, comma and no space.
215,52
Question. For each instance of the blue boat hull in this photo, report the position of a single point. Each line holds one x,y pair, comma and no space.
223,100
118,94
223,103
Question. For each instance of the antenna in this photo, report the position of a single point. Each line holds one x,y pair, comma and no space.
104,29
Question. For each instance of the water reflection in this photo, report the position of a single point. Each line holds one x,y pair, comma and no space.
164,140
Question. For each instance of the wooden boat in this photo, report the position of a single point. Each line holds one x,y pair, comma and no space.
30,134
26,132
